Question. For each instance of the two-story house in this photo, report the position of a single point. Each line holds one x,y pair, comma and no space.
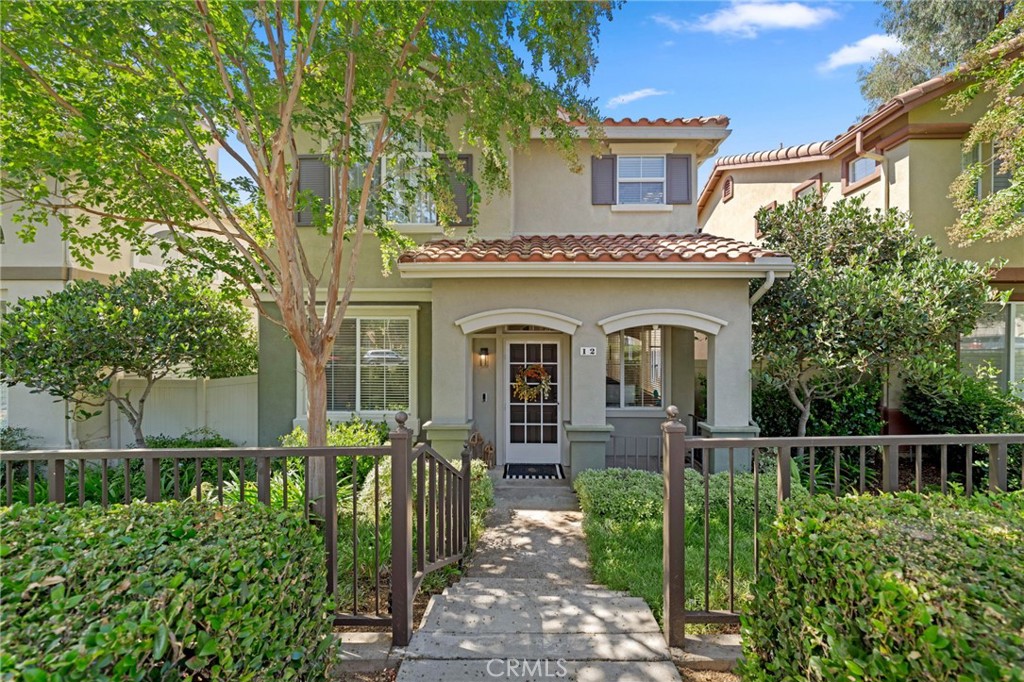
903,155
580,307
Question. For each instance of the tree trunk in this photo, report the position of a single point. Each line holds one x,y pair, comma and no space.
140,439
805,415
316,428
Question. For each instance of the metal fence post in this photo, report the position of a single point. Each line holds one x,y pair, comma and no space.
674,528
55,473
151,471
997,467
785,473
890,468
263,480
467,456
401,533
330,507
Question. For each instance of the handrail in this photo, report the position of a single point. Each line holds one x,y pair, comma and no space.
832,441
191,453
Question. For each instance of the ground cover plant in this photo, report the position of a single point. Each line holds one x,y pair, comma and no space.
891,587
168,591
622,521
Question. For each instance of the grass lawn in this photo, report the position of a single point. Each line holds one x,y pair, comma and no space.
622,520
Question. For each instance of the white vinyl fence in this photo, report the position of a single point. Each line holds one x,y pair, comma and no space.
227,406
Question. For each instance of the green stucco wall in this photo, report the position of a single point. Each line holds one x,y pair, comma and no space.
276,381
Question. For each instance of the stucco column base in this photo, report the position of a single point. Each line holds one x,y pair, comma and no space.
588,445
448,439
719,457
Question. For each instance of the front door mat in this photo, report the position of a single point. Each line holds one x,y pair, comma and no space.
534,471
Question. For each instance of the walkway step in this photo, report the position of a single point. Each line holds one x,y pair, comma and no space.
483,613
640,646
528,586
528,671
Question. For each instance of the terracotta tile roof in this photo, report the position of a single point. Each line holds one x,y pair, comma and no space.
799,151
691,248
698,121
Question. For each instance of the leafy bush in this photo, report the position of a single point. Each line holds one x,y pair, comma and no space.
351,434
904,587
950,402
168,591
622,520
15,438
202,438
853,412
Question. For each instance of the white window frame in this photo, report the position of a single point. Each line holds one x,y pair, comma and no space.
1011,374
852,163
409,313
420,155
625,410
619,179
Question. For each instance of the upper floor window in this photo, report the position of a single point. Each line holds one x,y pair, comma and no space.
860,168
641,180
635,368
994,178
811,187
410,201
858,171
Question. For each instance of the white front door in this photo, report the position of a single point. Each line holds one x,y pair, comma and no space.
533,422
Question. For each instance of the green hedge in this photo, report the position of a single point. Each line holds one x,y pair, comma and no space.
904,587
168,591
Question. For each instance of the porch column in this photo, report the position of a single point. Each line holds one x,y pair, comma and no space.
729,412
587,430
452,416
684,376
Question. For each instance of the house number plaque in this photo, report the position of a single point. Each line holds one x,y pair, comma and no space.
588,350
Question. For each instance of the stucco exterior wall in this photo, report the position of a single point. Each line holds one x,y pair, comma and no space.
550,199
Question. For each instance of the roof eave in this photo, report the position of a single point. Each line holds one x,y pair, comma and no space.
782,266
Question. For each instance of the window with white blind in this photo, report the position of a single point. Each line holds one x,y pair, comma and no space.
994,179
635,375
371,366
641,179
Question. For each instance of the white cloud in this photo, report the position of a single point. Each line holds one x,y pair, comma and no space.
746,19
628,97
861,52
669,23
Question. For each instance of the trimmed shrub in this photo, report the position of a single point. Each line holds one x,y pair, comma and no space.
895,587
202,438
168,591
355,433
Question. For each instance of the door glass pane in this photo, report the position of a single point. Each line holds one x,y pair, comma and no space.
517,352
517,434
532,414
533,434
550,353
533,352
516,414
550,434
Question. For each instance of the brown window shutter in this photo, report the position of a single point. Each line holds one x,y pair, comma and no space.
315,177
677,179
602,180
460,190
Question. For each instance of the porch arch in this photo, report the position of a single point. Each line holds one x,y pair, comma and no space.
667,317
533,316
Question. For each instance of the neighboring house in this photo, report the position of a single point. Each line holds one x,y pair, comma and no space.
595,283
904,155
46,265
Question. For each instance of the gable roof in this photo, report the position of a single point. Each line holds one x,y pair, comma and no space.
822,151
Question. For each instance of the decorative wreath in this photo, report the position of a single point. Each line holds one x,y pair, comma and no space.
531,382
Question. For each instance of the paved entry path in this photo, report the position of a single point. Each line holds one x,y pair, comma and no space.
526,609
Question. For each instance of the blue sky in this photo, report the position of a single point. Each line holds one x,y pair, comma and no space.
784,71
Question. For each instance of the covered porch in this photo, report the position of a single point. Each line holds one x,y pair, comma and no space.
602,331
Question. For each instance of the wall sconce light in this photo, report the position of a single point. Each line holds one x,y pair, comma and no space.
484,357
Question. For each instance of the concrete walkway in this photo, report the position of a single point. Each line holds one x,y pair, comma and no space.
526,609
